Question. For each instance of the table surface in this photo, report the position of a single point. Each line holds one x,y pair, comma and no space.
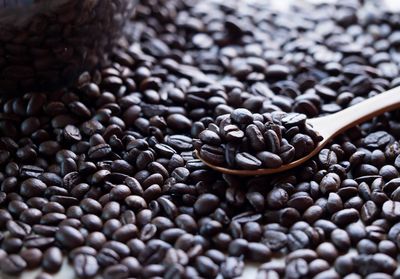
250,271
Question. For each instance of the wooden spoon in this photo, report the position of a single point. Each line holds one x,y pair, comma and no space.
330,126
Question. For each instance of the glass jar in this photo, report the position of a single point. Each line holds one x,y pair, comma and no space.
46,44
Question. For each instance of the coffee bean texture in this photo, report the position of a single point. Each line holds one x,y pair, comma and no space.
103,174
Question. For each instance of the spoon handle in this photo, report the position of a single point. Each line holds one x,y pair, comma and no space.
337,123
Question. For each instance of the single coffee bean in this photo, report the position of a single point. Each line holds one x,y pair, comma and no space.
52,259
85,266
13,264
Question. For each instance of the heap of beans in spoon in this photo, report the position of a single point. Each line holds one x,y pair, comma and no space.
250,141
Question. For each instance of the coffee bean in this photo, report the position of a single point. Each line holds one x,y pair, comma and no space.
303,145
18,229
32,187
340,239
247,161
13,264
33,257
232,267
273,143
69,237
52,260
206,204
297,267
242,116
269,160
85,266
390,210
258,252
330,183
297,240
255,137
345,216
206,266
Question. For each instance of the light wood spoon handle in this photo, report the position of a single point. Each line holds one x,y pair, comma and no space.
334,124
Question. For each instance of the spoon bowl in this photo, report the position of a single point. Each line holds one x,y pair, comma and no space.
328,127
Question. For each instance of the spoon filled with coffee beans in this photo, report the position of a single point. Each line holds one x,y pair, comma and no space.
246,144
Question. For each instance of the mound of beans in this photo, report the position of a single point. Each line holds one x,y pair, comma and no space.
47,44
252,141
102,175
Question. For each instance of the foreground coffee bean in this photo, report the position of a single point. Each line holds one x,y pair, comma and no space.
52,260
85,266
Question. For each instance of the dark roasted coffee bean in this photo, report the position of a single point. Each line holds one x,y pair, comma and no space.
210,137
391,210
345,216
273,143
340,239
33,257
297,240
206,204
255,137
85,266
214,155
69,237
242,116
269,160
32,187
247,161
52,260
18,229
277,198
330,183
258,252
275,240
13,264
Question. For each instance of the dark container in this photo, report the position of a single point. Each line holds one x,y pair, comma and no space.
46,44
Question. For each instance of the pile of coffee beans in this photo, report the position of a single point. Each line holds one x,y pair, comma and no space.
46,44
103,175
252,141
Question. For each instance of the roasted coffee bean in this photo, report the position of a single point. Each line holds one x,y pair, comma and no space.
391,210
52,259
277,198
275,240
85,266
340,239
345,217
107,257
214,155
33,257
32,187
206,266
269,160
18,229
330,183
297,268
13,264
232,267
258,252
206,204
69,237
